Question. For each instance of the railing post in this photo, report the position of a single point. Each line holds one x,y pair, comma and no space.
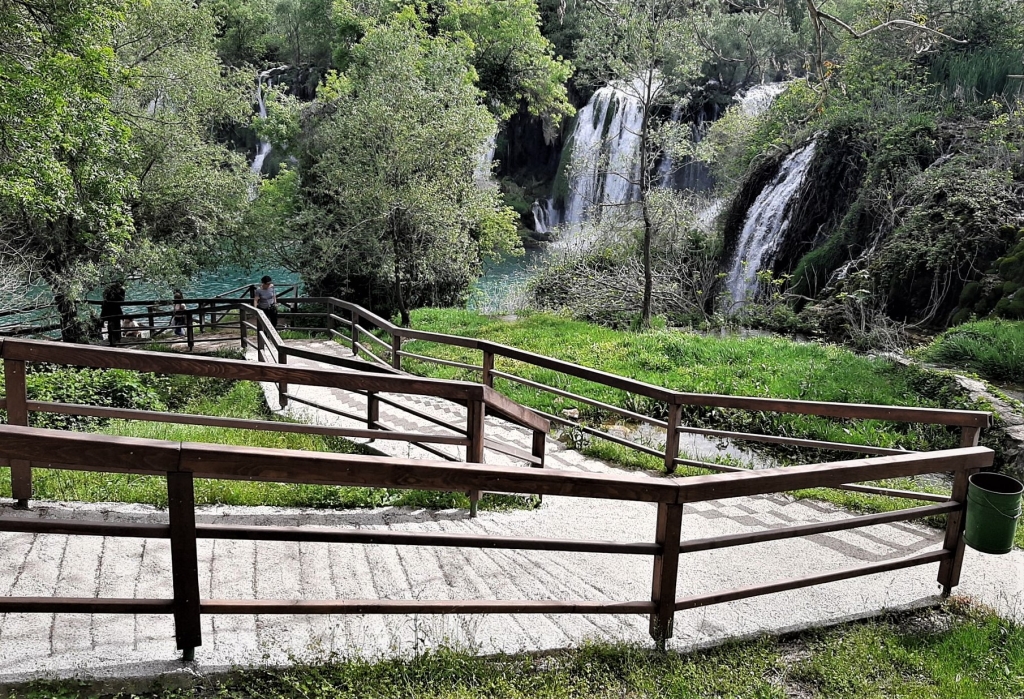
184,563
261,345
330,320
949,569
396,347
355,333
487,379
202,317
372,411
540,440
666,571
282,386
17,414
150,310
241,326
475,450
675,414
190,333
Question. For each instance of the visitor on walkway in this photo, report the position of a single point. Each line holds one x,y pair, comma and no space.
179,313
110,310
265,298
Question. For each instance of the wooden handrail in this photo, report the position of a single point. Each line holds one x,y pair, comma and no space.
113,358
957,418
180,463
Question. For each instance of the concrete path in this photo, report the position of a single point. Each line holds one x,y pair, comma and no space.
124,646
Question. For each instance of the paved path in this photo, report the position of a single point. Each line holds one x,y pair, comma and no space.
122,646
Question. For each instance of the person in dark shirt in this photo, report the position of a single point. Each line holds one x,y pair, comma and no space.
110,310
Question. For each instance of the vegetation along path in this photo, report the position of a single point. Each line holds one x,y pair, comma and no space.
117,645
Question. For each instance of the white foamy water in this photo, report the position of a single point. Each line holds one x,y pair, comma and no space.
767,221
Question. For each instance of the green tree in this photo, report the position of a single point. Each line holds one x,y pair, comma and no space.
648,50
388,210
108,165
514,62
64,184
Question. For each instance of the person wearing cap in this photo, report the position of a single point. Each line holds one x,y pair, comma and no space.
265,298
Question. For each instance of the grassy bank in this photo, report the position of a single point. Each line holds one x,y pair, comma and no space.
198,396
752,366
992,348
956,651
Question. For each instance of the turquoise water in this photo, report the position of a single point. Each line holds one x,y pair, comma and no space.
205,286
502,287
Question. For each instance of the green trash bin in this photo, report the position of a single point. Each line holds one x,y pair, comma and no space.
993,508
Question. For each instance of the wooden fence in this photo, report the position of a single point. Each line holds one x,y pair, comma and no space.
377,346
479,400
181,463
380,342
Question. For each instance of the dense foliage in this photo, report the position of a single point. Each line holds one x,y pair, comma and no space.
108,164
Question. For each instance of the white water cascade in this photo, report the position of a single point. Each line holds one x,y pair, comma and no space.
263,149
756,100
605,165
767,221
483,172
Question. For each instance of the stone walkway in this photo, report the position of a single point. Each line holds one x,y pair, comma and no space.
125,646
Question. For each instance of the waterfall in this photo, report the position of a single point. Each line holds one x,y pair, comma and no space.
766,224
263,149
545,216
605,144
485,162
756,100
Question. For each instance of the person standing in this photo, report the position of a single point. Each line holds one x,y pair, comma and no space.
265,299
179,313
110,311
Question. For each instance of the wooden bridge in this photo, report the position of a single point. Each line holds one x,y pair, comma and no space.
463,463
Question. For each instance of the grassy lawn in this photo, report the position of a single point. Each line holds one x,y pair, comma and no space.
759,366
955,651
992,348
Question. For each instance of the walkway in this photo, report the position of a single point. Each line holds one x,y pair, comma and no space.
123,646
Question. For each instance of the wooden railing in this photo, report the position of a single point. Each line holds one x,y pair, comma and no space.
359,328
479,400
181,463
377,346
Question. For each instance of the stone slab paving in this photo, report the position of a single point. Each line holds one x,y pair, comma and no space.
47,645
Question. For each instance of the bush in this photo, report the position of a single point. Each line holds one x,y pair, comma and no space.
993,348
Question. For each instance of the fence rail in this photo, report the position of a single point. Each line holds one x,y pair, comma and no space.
479,400
377,347
349,322
181,463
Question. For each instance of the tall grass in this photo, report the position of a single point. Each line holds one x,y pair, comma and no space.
685,361
992,348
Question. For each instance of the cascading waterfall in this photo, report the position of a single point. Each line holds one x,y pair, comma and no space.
263,149
767,221
485,162
756,100
605,165
604,151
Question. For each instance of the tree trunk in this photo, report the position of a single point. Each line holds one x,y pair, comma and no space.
399,293
70,329
645,186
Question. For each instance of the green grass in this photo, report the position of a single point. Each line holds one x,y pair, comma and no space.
759,366
992,348
223,399
955,651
